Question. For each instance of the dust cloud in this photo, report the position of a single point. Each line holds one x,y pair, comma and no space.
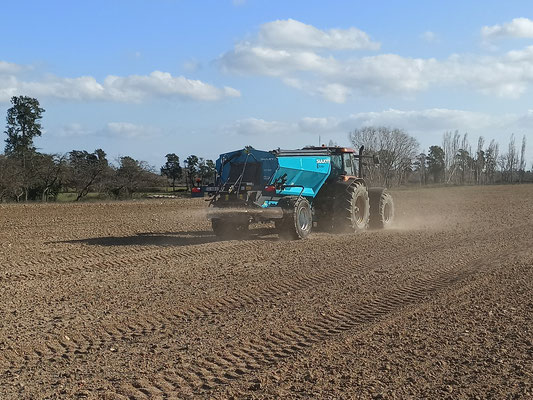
430,209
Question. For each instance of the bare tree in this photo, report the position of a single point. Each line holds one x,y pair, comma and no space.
86,170
48,172
132,176
480,161
491,161
451,146
395,148
522,165
511,160
11,186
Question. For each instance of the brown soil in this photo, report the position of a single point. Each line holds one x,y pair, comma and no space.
139,300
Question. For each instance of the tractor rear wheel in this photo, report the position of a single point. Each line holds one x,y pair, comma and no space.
297,220
352,208
227,229
381,208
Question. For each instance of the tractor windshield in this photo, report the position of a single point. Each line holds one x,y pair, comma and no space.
336,165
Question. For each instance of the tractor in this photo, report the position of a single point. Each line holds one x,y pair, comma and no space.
299,190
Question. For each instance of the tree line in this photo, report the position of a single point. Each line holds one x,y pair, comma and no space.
27,174
455,162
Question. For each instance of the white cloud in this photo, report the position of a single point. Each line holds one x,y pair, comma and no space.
517,28
247,58
8,87
82,88
132,88
415,121
9,68
231,92
429,36
255,126
127,130
293,82
138,87
388,72
336,79
117,130
192,65
319,125
422,121
297,35
73,129
335,92
432,122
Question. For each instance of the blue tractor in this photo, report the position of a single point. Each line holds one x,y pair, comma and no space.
320,187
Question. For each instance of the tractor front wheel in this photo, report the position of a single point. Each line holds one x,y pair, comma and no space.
351,211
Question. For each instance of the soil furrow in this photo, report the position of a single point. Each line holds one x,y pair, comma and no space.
270,350
139,300
113,334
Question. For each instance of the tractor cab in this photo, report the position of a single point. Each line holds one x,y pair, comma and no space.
345,162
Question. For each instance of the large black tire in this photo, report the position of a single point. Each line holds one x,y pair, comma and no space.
351,209
381,208
228,229
297,221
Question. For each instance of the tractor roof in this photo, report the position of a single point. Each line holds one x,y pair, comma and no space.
332,149
314,151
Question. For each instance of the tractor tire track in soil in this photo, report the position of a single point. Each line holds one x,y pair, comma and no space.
142,257
100,310
234,362
162,324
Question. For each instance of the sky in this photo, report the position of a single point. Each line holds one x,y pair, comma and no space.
147,78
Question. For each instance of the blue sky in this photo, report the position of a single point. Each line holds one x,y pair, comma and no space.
145,78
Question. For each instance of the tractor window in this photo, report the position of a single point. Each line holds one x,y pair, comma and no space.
349,166
336,165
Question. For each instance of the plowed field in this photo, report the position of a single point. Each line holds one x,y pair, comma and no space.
137,300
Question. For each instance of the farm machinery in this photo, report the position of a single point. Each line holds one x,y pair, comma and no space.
320,187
